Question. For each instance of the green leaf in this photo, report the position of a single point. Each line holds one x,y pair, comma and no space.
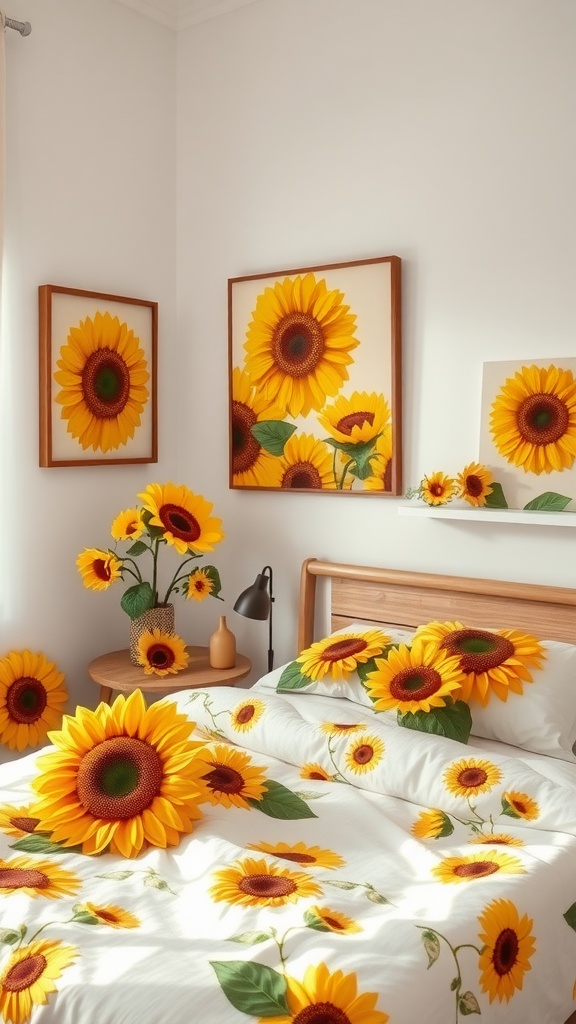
508,809
40,842
85,917
496,499
279,802
137,600
337,884
468,1004
214,577
9,936
447,828
375,897
138,548
250,938
252,988
570,916
370,666
117,875
550,501
292,678
272,434
360,454
432,946
454,721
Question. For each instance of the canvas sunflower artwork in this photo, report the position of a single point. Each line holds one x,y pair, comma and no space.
528,432
97,378
315,379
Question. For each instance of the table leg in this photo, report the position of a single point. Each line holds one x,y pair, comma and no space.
106,694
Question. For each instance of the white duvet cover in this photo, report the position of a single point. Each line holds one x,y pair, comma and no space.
344,871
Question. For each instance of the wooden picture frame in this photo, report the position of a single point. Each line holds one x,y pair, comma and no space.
98,378
315,385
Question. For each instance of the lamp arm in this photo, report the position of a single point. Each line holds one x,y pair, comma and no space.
270,648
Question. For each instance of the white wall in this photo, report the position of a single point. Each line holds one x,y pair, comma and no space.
90,204
315,131
285,133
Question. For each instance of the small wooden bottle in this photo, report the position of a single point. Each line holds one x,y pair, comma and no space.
222,646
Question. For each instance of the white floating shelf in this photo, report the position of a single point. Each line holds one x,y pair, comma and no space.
491,515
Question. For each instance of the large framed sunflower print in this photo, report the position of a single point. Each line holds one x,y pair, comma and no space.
98,386
315,379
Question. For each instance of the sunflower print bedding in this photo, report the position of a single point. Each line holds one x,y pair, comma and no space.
263,858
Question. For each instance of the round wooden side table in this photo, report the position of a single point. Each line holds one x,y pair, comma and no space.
115,671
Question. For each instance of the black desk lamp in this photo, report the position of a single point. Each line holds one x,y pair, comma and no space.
256,603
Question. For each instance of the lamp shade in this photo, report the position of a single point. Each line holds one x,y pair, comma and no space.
255,602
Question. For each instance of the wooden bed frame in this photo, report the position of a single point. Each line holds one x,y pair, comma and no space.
393,597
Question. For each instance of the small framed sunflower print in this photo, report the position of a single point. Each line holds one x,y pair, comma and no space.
315,379
98,385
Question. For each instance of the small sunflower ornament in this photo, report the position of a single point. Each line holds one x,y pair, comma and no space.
32,698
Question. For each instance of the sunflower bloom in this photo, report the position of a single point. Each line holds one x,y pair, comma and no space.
477,865
306,464
471,776
381,463
497,839
315,771
415,678
432,824
32,698
229,777
28,978
493,661
437,489
533,419
299,853
364,754
103,375
246,714
341,728
323,996
198,586
127,525
36,878
326,920
357,419
252,465
162,654
17,821
98,569
183,517
508,945
298,343
122,776
338,656
474,484
520,805
111,916
255,883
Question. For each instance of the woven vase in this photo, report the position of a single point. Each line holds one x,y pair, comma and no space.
161,617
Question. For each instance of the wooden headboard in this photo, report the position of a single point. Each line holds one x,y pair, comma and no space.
394,597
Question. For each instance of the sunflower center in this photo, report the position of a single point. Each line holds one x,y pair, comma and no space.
300,475
23,974
119,777
267,885
180,522
476,869
471,778
321,1013
354,419
542,419
333,923
297,344
245,447
363,754
436,490
24,824
160,656
341,649
316,775
105,383
415,683
101,569
298,858
474,486
245,714
25,700
224,779
479,650
519,806
20,878
107,916
505,952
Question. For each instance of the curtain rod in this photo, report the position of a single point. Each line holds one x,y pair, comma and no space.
23,27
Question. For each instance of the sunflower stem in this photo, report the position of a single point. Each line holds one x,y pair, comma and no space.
176,577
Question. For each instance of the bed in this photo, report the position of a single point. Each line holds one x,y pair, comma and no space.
309,857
